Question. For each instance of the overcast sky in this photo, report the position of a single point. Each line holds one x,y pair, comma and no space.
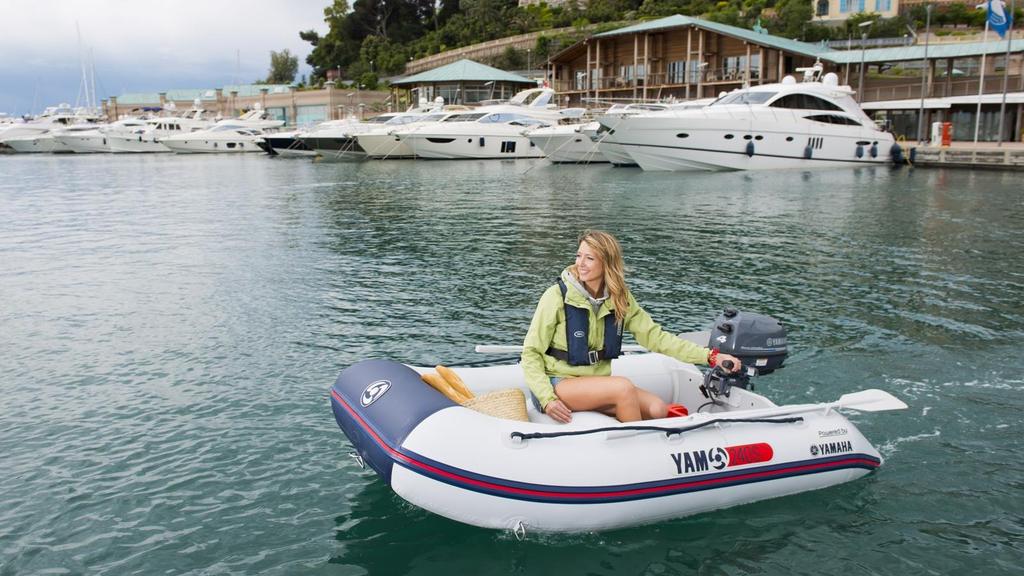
143,45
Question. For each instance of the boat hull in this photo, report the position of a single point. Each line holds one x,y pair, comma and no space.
472,468
85,143
443,146
135,144
237,145
567,145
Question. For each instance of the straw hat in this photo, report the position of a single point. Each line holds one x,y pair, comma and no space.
509,404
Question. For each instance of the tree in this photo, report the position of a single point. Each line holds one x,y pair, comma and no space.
283,67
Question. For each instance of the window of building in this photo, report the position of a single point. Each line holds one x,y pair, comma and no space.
884,5
860,5
581,80
677,72
823,8
844,6
310,114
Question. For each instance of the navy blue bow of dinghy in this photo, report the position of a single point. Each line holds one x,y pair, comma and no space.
377,403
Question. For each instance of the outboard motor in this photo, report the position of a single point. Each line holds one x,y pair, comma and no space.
759,342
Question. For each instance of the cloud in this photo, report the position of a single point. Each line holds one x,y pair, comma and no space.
143,45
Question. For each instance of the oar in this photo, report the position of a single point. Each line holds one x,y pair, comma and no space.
872,400
701,338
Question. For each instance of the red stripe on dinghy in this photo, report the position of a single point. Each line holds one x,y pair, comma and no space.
586,495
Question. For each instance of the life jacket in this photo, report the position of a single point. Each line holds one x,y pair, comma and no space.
577,332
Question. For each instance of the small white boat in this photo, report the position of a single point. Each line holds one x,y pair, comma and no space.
596,473
568,143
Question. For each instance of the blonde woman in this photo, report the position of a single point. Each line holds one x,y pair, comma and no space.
577,330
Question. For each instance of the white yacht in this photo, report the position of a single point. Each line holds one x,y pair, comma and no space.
242,134
382,142
147,138
335,141
338,141
84,139
37,135
773,126
492,131
224,137
568,143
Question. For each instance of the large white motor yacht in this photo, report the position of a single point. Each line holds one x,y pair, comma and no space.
382,142
492,131
774,126
242,134
605,139
336,140
223,137
147,137
37,135
85,139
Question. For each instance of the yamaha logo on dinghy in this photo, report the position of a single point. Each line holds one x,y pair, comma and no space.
719,458
831,448
374,391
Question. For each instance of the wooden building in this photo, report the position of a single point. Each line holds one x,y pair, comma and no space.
677,56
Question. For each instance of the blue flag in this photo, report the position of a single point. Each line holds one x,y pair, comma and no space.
998,19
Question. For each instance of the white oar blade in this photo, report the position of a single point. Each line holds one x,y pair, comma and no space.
872,400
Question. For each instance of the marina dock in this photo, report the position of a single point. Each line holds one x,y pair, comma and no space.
1008,156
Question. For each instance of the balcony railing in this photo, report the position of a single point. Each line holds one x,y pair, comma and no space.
939,89
724,76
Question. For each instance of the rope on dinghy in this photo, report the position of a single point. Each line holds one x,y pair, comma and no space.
666,429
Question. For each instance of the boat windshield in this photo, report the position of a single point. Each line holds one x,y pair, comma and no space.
744,98
464,117
431,118
383,119
404,119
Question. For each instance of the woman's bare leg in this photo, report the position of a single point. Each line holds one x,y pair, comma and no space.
651,405
612,394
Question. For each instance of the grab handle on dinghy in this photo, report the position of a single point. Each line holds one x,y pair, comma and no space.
668,430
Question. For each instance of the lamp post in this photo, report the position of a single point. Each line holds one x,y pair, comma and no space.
863,41
528,60
924,74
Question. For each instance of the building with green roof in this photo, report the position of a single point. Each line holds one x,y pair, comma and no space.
461,82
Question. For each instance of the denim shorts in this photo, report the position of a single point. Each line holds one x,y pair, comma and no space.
554,384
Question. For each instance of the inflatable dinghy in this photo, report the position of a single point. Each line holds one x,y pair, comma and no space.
595,473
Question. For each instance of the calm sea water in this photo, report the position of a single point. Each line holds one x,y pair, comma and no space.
169,328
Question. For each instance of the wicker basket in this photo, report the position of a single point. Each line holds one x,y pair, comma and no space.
509,404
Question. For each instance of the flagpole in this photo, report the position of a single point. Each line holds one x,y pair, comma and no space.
1006,71
981,82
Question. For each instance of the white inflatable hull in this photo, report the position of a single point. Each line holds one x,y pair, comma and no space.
490,472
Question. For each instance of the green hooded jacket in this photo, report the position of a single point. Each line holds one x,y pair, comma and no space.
547,329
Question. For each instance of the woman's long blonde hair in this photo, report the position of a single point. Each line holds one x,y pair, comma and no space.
610,253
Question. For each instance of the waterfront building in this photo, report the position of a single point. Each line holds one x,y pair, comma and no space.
461,82
282,101
837,11
688,58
